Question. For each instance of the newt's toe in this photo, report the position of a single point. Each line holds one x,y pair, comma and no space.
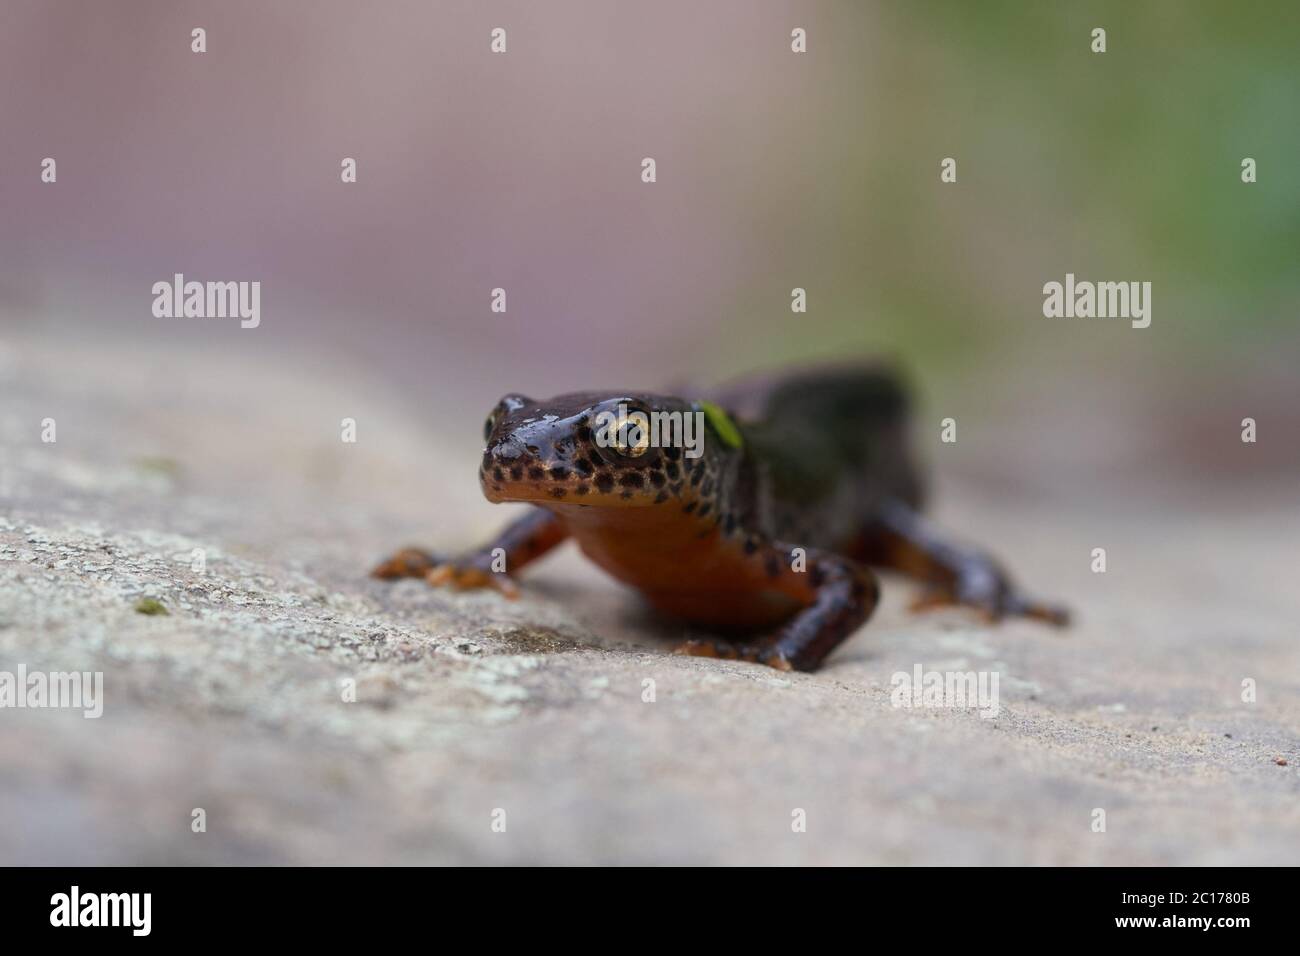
754,653
407,563
994,605
1053,614
694,648
470,578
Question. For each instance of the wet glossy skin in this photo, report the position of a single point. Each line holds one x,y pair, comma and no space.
771,529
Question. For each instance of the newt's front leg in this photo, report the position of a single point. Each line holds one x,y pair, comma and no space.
838,595
901,539
492,565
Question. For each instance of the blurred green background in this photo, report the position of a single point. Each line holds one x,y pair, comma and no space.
1117,165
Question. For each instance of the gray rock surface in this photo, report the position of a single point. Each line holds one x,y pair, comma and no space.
232,701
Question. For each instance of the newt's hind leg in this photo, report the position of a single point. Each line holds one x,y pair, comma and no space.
839,595
900,539
521,542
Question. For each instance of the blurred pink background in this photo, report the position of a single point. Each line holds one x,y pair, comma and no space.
775,170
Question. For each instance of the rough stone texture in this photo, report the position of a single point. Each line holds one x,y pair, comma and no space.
232,701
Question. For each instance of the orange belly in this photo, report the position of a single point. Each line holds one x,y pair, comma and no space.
683,566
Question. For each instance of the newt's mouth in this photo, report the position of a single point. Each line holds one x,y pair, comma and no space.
580,482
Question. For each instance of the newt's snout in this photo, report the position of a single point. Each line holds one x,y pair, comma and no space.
509,451
529,460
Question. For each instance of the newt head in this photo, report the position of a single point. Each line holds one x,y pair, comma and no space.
601,449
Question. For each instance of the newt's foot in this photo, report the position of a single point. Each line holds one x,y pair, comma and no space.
407,563
990,593
755,653
466,573
466,576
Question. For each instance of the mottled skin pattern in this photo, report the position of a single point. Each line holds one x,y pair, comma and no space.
767,539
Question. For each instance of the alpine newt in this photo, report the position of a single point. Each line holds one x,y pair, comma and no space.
765,534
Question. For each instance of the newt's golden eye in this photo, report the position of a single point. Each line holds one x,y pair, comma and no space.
633,436
488,425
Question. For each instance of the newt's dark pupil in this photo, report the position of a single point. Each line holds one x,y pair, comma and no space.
487,427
